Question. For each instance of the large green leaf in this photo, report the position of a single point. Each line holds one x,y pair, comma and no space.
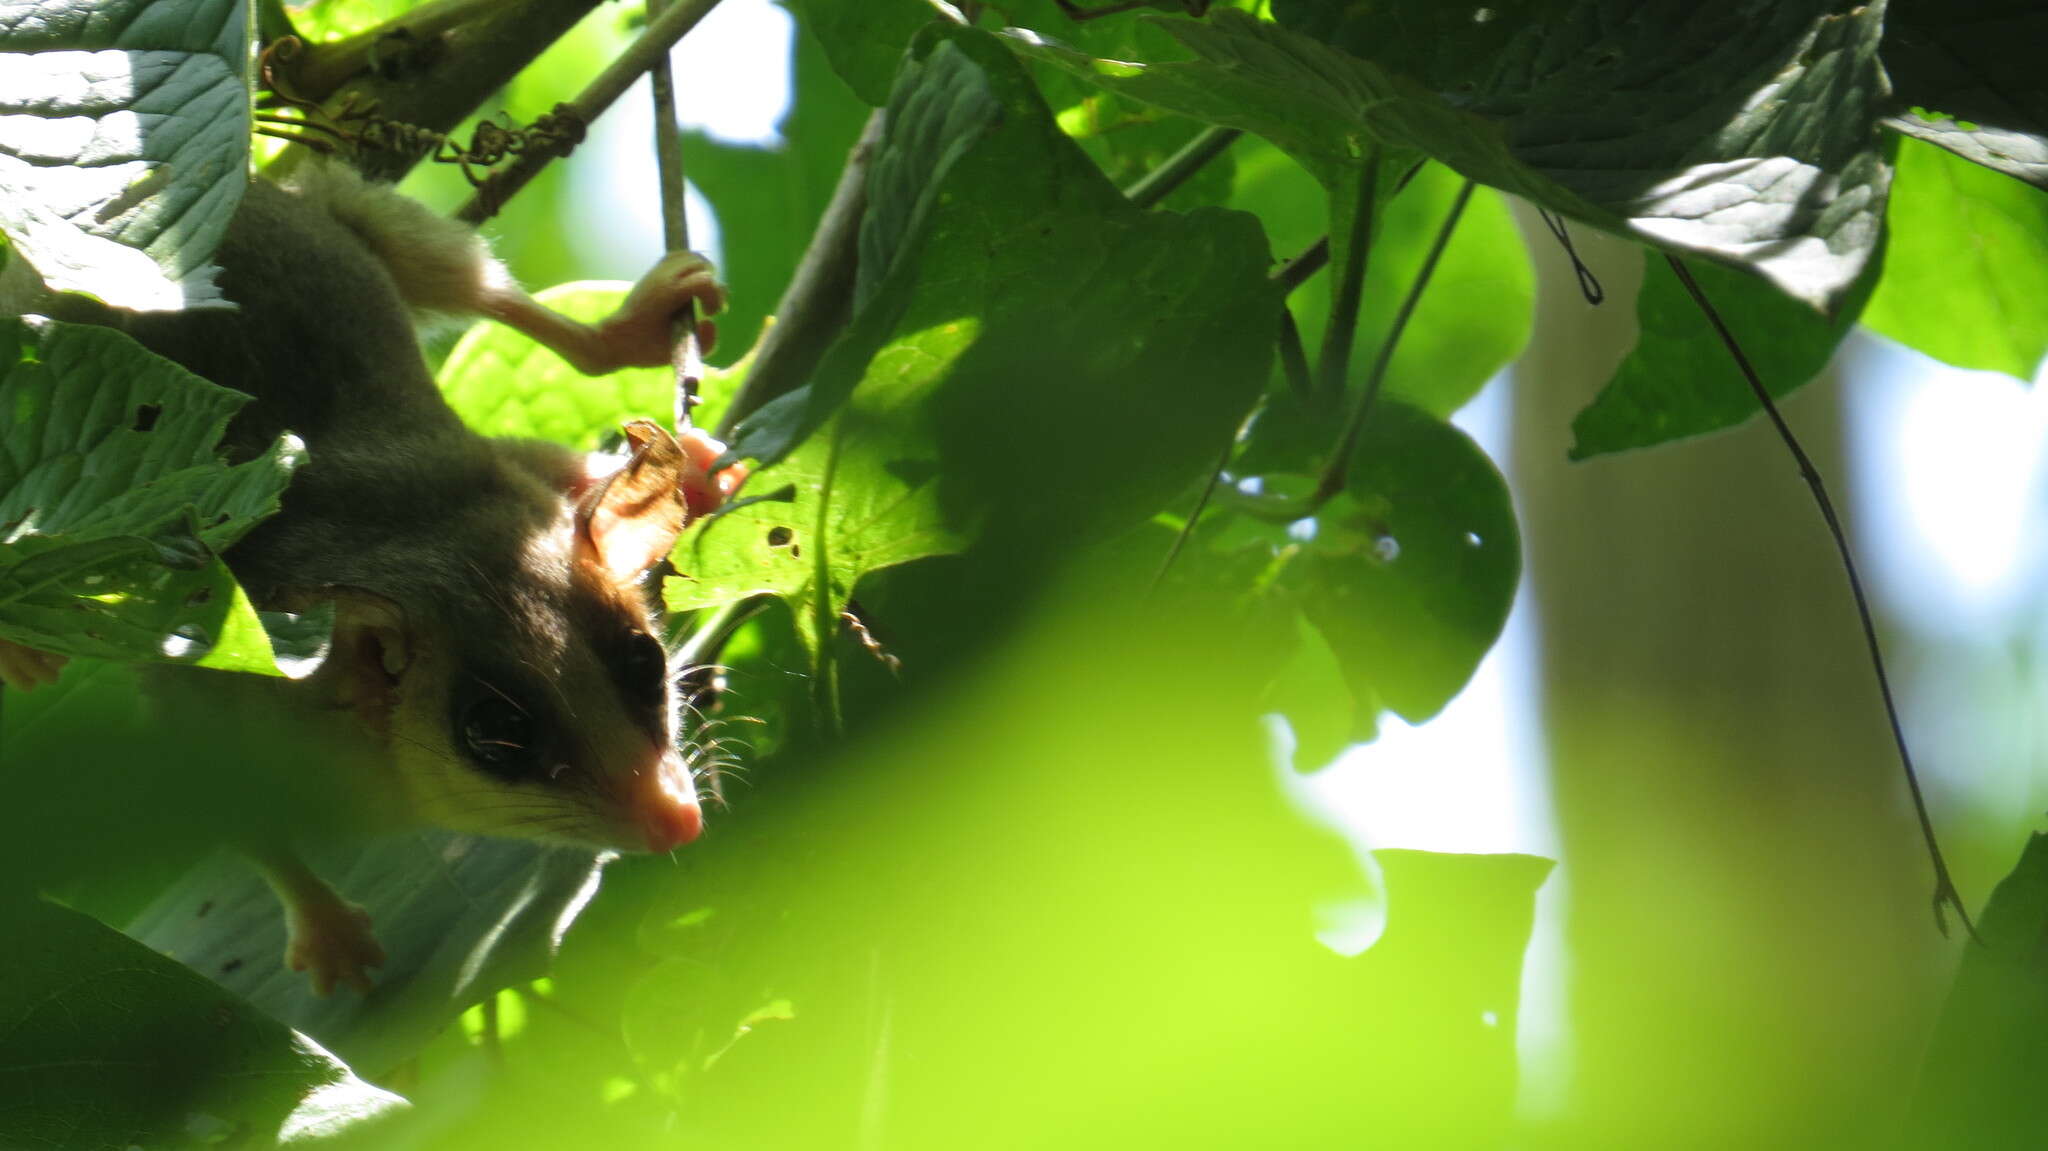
1744,132
114,505
1021,290
1967,75
124,143
458,917
105,1043
1966,265
1681,381
1410,574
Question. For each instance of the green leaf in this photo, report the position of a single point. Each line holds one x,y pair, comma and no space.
105,1043
1680,380
1984,1067
1310,690
864,39
1968,75
1966,267
458,917
1021,290
113,503
503,383
1745,132
1411,572
1126,138
124,144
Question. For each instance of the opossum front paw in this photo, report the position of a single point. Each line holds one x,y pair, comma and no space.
638,334
25,668
332,943
705,491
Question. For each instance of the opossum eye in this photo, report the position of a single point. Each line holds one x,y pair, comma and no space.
643,666
499,735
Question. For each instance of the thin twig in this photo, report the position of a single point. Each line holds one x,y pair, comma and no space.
650,48
1589,284
684,353
1945,893
1160,182
1296,272
1187,529
1337,469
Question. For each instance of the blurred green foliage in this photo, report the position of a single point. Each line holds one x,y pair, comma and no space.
1005,856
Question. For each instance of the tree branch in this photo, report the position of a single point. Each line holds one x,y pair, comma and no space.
642,54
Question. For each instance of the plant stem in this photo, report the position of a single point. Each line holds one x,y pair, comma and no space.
684,354
1160,182
1338,468
644,53
1945,893
1294,357
819,299
1349,292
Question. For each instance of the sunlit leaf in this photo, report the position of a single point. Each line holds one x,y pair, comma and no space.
1966,268
124,144
114,503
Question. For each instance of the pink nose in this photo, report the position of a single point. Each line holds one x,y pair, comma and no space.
666,803
672,825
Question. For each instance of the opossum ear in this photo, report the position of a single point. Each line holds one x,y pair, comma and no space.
628,521
372,648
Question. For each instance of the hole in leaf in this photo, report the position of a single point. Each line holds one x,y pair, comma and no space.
146,415
779,536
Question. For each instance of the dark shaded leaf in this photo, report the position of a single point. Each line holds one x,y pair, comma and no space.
1020,289
1656,127
1411,572
1981,1081
104,1043
1680,380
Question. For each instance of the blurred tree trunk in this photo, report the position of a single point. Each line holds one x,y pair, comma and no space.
1751,957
